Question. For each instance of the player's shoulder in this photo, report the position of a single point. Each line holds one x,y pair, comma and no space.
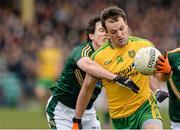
80,46
174,51
174,54
83,48
140,40
100,50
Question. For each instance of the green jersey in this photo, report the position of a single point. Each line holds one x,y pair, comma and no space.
174,86
69,84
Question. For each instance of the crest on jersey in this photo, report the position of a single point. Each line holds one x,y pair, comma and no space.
119,59
132,53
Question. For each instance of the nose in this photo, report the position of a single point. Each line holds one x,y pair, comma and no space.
119,33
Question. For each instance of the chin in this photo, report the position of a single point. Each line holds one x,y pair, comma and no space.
122,44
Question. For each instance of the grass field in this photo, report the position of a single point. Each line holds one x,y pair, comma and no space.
34,118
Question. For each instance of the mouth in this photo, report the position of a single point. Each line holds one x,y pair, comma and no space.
121,40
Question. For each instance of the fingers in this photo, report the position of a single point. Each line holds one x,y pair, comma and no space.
161,59
165,55
159,67
135,88
166,94
159,71
135,91
160,63
161,96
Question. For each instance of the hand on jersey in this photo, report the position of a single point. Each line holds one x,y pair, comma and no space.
76,124
161,95
126,82
163,65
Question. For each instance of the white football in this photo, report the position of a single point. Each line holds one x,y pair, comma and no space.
145,60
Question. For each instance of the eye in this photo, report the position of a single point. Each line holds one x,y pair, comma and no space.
113,32
121,28
101,30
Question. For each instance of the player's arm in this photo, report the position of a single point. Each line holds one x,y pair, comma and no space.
85,95
94,69
154,84
83,99
161,95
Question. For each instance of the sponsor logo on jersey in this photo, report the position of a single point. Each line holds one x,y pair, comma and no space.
132,53
107,62
128,72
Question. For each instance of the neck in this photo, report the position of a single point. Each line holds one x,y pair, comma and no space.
118,45
95,45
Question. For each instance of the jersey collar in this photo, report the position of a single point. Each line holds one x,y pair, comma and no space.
90,43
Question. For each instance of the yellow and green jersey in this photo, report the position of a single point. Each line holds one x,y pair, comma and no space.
122,101
174,85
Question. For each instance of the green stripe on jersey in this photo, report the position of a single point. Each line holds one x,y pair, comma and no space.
100,49
86,51
134,39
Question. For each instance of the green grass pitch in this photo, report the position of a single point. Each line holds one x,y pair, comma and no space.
35,118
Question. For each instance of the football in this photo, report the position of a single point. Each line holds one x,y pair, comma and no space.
145,60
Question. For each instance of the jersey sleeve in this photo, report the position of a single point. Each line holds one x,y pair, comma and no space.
76,54
84,50
149,43
141,41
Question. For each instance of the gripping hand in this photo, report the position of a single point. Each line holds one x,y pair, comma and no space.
76,124
163,65
126,82
161,95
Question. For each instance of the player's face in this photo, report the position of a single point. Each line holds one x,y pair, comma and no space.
117,31
100,35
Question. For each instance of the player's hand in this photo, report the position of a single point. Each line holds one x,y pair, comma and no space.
76,124
163,65
161,95
126,82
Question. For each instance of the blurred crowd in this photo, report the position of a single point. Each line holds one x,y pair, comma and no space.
64,21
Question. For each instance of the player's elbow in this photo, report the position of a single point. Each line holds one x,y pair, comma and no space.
85,63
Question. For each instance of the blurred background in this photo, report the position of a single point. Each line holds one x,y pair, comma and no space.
31,28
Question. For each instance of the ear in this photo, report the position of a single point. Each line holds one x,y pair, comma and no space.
91,36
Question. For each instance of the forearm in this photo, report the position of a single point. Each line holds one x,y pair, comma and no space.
154,84
97,71
94,69
162,77
82,102
85,95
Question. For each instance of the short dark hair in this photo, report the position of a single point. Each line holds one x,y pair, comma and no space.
113,13
91,26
